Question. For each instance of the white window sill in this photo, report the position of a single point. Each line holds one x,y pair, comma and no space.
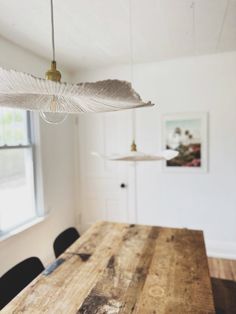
8,234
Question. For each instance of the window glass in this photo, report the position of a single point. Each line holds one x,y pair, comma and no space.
17,192
13,127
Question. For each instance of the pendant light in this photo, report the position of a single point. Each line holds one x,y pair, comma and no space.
51,97
134,154
54,75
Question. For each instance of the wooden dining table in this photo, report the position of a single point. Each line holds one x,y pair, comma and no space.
124,268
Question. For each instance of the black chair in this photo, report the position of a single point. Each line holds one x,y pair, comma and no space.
17,278
64,240
224,292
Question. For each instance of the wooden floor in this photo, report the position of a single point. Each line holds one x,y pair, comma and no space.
222,268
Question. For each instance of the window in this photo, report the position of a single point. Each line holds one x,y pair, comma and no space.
17,184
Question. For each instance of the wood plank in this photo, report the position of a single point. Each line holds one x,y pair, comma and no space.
178,278
129,264
222,268
121,268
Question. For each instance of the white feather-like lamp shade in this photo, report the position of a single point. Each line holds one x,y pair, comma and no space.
167,154
24,91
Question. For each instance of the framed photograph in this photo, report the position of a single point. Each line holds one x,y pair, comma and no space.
186,133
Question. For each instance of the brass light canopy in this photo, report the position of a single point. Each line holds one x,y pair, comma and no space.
53,74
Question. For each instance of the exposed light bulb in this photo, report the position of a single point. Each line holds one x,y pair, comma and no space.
53,117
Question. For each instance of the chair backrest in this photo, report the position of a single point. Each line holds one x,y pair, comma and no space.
64,240
17,278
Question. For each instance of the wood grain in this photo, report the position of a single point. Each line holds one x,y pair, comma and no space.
222,268
122,268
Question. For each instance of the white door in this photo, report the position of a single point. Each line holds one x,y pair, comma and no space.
105,187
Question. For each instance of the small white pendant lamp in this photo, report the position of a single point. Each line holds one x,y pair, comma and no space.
134,154
52,97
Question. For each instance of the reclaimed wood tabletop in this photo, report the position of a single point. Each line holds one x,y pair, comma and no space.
125,268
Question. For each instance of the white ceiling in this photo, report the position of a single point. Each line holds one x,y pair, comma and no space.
96,32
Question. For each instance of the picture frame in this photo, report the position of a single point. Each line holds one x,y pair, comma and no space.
188,134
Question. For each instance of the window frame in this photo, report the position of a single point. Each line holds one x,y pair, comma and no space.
34,144
35,139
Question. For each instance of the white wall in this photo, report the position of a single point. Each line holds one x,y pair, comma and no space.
57,148
202,201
